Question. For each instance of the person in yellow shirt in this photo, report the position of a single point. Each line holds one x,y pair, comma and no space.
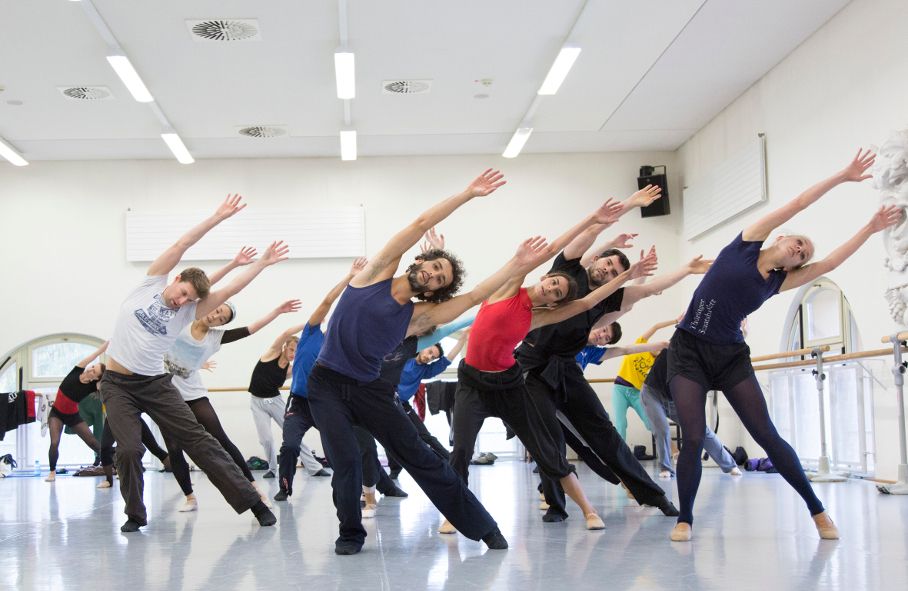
634,368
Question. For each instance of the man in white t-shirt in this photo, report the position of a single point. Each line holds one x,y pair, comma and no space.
147,324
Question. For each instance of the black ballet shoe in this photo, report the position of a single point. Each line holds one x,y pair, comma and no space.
495,541
263,514
281,495
130,526
347,548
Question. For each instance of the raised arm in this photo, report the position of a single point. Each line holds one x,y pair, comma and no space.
854,172
582,243
384,264
426,315
275,253
287,307
442,331
318,315
169,259
93,355
654,348
645,266
432,241
635,293
246,256
658,326
620,241
886,216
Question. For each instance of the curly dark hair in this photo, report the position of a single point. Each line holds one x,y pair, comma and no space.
622,258
571,286
457,274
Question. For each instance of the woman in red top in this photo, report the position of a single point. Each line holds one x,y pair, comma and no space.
81,381
490,383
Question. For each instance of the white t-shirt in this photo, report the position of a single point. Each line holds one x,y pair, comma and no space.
146,328
185,359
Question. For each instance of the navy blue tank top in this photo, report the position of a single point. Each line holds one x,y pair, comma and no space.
367,324
731,289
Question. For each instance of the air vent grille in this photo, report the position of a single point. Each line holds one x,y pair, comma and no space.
263,131
219,30
86,93
406,86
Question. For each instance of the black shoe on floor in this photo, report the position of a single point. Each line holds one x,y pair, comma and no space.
263,514
268,474
281,495
396,492
130,526
322,472
495,541
668,509
553,516
347,548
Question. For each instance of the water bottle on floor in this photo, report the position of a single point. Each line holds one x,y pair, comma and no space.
37,468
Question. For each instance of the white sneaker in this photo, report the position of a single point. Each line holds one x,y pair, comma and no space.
665,475
104,484
190,505
369,511
735,472
447,528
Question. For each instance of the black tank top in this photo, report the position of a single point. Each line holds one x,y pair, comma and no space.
267,378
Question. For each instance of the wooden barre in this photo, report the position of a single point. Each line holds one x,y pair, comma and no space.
795,353
899,337
832,359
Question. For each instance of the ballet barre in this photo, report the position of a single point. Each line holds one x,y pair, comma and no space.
898,373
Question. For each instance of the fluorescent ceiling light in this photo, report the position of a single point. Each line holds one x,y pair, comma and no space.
559,70
345,72
519,138
13,156
176,146
129,76
348,145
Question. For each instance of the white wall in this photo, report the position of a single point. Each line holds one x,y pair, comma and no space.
845,87
63,232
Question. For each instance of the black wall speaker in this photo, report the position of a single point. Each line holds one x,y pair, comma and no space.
659,206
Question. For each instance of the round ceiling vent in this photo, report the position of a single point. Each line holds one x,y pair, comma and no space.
86,93
262,131
406,86
225,30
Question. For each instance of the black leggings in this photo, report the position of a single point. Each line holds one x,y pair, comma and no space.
746,398
205,415
55,428
148,440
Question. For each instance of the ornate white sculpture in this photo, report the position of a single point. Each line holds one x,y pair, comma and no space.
890,177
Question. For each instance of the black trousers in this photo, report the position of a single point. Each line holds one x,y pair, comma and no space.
338,403
297,421
584,410
539,432
424,434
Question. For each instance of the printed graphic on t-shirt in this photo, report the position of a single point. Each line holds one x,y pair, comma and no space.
156,317
703,315
175,368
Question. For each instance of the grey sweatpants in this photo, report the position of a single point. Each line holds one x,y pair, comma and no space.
126,397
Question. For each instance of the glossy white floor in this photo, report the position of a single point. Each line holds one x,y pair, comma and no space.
751,532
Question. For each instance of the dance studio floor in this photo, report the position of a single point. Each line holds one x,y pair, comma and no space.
751,533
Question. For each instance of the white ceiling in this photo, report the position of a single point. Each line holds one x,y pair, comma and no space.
651,73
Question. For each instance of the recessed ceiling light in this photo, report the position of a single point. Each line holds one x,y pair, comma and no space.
480,96
519,138
559,70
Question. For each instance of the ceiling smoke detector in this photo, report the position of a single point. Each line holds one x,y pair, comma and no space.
86,93
406,86
263,131
233,29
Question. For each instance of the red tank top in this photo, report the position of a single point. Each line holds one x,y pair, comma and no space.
497,330
65,404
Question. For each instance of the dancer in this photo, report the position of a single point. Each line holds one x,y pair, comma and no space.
266,403
633,370
708,351
490,382
148,322
81,381
659,408
298,417
548,355
106,454
196,343
373,316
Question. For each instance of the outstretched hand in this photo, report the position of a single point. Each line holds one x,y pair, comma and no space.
485,183
289,306
698,265
623,241
646,196
245,256
210,365
230,207
359,263
276,252
885,216
863,160
433,241
608,213
532,252
646,266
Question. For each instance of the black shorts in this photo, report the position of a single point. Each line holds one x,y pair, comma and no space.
715,367
70,420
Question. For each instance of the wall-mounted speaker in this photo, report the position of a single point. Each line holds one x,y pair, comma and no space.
659,206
